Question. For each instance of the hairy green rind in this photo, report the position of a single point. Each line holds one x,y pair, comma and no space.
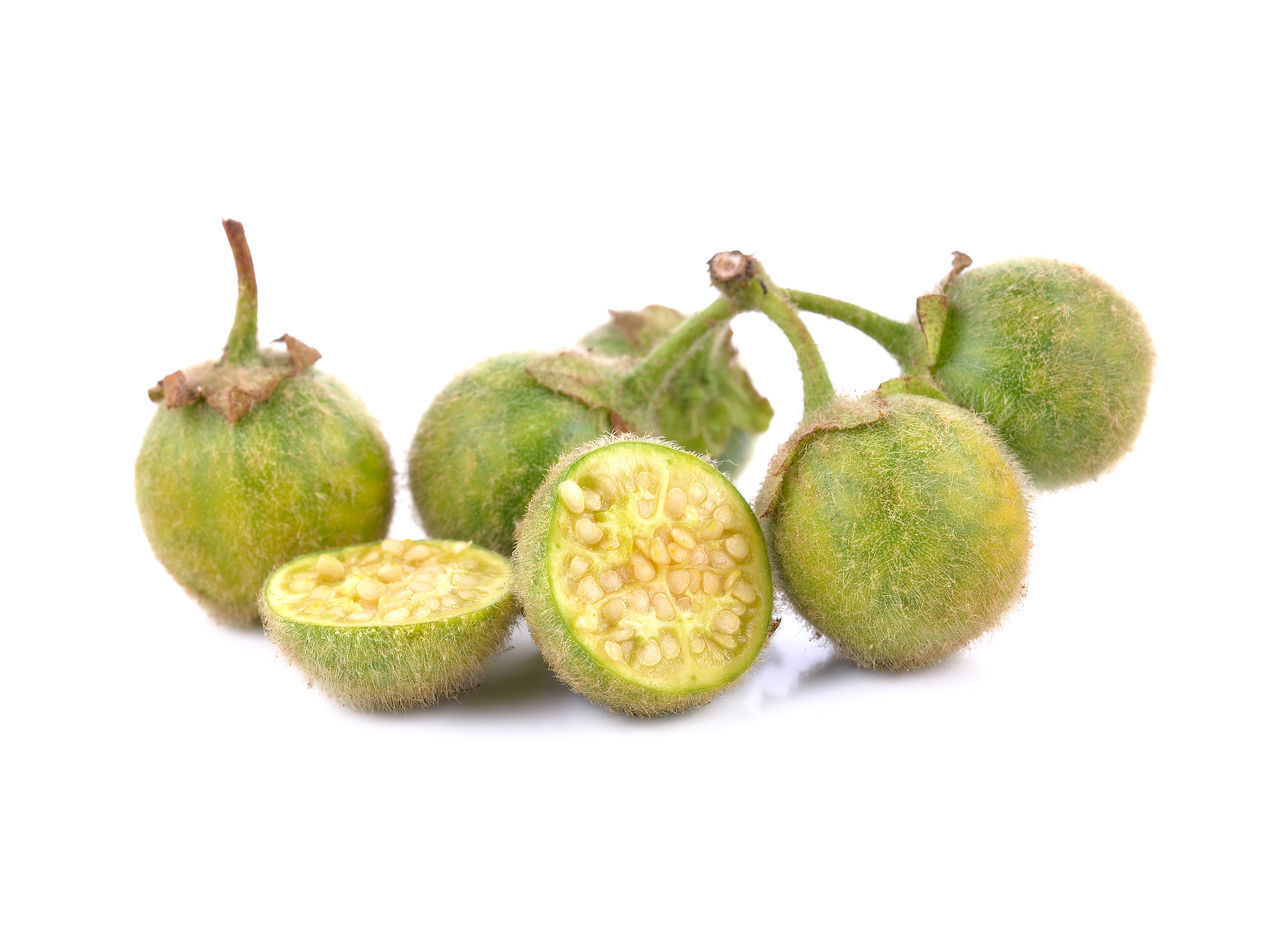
393,667
484,445
223,504
898,527
572,663
1058,361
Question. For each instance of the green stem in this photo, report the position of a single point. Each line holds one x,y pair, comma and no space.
744,280
898,338
242,343
648,375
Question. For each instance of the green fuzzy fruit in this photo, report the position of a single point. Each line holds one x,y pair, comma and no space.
1058,361
644,576
898,526
484,445
253,459
394,624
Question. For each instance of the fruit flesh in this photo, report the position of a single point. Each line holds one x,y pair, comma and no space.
656,578
392,624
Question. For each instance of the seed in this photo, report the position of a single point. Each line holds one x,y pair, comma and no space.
589,590
698,556
711,583
684,537
670,648
685,604
644,479
713,530
624,634
396,615
728,642
645,508
626,648
587,530
723,514
572,498
676,502
678,580
610,581
468,594
721,560
392,546
390,573
329,568
321,593
370,590
300,585
650,654
593,501
417,553
613,610
658,552
697,493
578,566
678,555
640,565
736,545
697,643
662,607
361,616
726,622
638,601
613,650
744,592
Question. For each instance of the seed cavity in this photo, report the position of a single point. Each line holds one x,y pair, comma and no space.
572,497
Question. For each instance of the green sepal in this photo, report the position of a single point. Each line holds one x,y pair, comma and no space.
931,316
912,386
592,379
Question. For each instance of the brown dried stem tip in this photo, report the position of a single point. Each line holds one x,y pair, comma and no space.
729,266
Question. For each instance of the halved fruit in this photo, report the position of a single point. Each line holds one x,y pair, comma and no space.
392,624
644,576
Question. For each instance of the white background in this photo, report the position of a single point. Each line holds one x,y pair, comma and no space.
424,187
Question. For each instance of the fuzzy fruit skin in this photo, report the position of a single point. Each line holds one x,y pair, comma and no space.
483,446
564,654
1058,361
394,667
223,504
898,527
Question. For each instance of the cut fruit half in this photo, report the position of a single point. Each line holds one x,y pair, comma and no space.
392,624
644,576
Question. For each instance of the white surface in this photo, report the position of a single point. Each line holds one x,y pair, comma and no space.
424,189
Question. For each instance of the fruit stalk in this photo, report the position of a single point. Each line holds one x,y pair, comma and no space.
899,338
242,342
648,375
744,280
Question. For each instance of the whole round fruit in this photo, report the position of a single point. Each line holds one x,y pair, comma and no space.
485,443
644,576
1058,361
392,625
898,526
253,459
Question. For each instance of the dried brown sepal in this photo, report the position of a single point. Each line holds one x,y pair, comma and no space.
959,263
233,390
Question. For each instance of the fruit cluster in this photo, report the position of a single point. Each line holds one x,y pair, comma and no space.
897,523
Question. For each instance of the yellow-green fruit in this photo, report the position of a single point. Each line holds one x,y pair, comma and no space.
393,624
224,503
644,576
899,527
484,445
1058,361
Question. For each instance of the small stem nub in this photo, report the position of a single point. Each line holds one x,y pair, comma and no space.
959,263
242,343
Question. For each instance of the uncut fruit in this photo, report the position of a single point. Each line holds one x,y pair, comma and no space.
392,625
644,576
1058,361
254,458
899,527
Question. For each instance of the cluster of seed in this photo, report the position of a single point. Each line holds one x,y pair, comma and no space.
649,589
392,582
